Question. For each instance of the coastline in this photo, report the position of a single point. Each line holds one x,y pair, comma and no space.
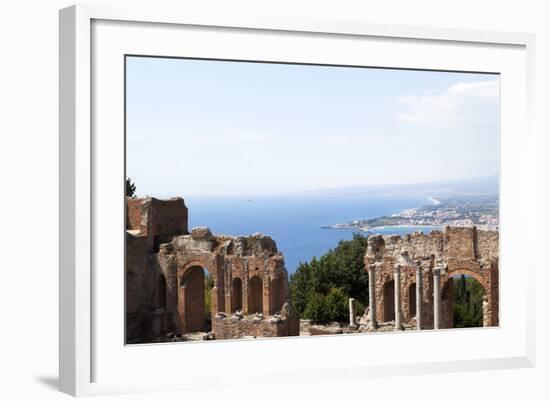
435,215
402,213
405,226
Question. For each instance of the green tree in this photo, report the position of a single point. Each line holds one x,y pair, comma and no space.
467,302
337,305
316,308
208,285
461,288
130,188
301,285
320,289
332,307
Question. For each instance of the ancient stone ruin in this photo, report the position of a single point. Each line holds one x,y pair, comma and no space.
410,277
249,295
168,268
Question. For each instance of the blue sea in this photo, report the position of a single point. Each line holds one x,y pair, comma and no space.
295,222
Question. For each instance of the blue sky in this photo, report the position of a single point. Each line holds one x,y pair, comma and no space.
201,128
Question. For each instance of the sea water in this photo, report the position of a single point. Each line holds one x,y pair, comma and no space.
296,222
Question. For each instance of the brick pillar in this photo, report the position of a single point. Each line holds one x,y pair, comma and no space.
266,295
486,311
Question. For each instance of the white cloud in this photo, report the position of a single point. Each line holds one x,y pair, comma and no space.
461,103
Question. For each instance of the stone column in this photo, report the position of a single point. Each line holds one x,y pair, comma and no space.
245,290
397,294
419,297
372,296
437,297
228,289
352,313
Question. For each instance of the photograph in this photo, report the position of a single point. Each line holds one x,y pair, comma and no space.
270,199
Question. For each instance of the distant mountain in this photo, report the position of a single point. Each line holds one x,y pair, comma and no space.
471,186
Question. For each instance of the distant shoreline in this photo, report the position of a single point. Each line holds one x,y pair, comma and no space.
346,226
405,226
454,211
371,229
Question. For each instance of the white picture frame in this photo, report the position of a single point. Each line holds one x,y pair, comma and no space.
94,360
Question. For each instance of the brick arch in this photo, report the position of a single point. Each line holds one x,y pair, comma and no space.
277,293
236,294
191,303
490,311
382,280
255,294
481,279
205,264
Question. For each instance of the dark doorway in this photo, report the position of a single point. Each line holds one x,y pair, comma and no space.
237,295
255,295
194,315
412,300
389,301
161,291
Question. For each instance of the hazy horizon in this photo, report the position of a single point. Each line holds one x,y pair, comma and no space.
212,128
337,190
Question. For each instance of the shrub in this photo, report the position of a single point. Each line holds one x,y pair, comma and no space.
316,308
337,305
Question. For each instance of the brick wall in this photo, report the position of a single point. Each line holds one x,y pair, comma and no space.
169,217
133,214
461,250
230,327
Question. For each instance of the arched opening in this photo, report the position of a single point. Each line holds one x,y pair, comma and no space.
255,295
276,294
412,300
463,297
237,295
197,285
389,301
161,291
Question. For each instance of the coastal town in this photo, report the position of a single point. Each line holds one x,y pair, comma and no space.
459,211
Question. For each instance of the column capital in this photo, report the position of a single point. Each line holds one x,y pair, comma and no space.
397,268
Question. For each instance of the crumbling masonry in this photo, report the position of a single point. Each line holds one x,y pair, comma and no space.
410,277
249,296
